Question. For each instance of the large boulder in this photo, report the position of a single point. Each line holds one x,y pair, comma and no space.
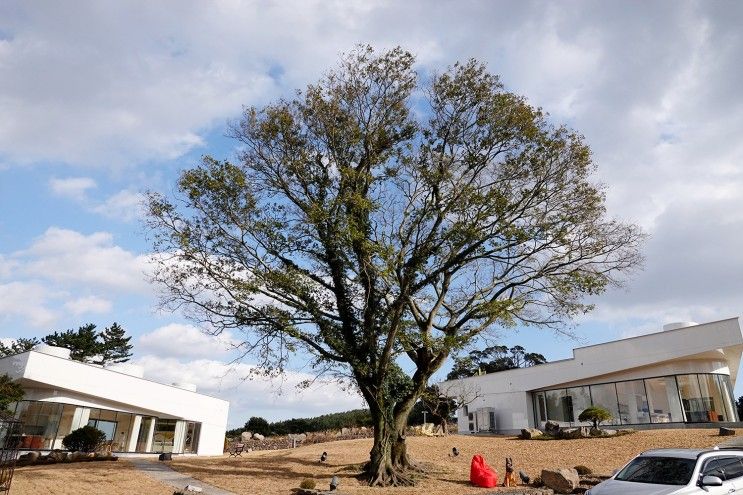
245,436
529,433
258,436
727,432
561,480
552,428
580,432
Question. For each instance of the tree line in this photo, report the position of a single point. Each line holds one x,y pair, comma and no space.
493,359
335,421
86,344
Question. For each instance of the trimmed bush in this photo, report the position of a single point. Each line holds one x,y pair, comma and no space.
595,415
308,484
85,439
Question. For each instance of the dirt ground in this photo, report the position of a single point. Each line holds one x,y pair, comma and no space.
277,472
109,478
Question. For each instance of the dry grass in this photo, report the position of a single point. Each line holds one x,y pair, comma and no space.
277,472
109,478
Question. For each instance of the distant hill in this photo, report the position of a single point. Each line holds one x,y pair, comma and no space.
334,421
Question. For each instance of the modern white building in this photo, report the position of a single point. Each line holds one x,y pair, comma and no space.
682,375
137,415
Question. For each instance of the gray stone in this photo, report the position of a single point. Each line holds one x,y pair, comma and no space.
561,480
529,433
33,456
193,489
580,432
245,436
552,428
345,431
258,436
727,432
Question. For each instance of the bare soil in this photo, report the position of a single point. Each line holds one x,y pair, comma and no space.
277,472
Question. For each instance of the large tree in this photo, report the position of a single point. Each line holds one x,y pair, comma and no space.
377,218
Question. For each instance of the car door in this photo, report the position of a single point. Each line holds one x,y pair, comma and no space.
729,468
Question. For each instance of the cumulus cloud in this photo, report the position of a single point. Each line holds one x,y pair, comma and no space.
72,188
88,304
271,399
184,341
27,300
125,205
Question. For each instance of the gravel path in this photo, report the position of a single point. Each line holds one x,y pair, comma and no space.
165,474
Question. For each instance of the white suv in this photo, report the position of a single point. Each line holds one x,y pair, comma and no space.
678,472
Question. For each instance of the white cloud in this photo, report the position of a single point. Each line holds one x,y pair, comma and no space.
184,341
254,396
27,300
68,256
125,205
74,188
88,304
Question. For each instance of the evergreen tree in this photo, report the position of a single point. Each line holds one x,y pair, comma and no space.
83,343
10,392
18,346
115,345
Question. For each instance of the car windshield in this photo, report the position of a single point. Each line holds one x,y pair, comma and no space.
658,470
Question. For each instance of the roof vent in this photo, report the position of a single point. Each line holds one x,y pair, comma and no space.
679,324
52,350
127,369
185,386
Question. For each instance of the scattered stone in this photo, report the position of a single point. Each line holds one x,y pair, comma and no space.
258,436
580,432
345,431
561,480
193,489
727,432
245,436
529,433
552,428
33,456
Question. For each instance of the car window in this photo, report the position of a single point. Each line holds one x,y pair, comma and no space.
725,468
658,470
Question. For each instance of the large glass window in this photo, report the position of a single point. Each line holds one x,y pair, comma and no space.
164,435
663,400
695,408
605,395
727,397
191,443
580,399
711,394
40,423
559,406
633,404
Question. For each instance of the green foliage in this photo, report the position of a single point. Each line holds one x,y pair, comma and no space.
83,342
256,424
378,214
493,359
583,470
115,346
10,392
327,422
85,439
595,415
739,407
308,484
17,346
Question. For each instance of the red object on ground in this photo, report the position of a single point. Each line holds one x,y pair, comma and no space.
481,474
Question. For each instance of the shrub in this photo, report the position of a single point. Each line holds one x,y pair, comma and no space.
583,470
595,415
308,484
85,439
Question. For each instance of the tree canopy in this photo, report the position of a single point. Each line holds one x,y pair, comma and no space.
85,344
493,359
10,391
378,217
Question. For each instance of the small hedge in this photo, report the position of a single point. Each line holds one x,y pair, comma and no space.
85,439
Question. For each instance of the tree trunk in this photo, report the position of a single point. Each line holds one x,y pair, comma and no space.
389,464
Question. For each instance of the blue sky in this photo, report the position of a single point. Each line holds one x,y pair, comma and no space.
100,101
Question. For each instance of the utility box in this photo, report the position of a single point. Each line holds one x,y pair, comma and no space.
485,419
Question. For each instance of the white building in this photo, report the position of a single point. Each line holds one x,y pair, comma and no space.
684,374
137,415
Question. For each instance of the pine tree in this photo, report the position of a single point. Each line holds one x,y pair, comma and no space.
18,346
116,347
83,343
10,392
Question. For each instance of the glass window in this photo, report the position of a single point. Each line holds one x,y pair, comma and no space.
633,404
658,470
711,394
143,438
191,444
40,423
541,407
695,408
107,427
605,396
663,400
725,468
580,399
164,435
727,397
559,405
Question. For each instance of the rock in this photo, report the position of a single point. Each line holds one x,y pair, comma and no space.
529,433
193,489
33,456
245,436
580,432
258,436
561,480
727,432
345,431
552,428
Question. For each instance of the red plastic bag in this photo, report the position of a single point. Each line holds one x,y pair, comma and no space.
481,474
